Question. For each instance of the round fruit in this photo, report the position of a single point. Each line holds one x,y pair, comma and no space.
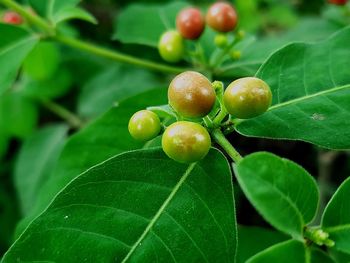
191,94
144,125
221,40
222,17
171,47
186,142
337,2
247,98
12,18
190,23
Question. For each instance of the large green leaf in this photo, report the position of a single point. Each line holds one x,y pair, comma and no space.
287,252
336,218
59,10
318,256
144,24
248,245
112,86
102,139
282,191
15,44
311,92
138,207
36,161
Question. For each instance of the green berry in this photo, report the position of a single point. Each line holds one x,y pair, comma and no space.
191,94
221,40
247,98
186,142
235,54
171,46
144,125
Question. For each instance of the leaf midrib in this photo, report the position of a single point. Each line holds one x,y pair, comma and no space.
160,211
333,229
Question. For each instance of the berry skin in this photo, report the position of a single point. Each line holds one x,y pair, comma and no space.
144,125
171,47
247,98
222,17
191,95
338,2
12,18
190,23
186,142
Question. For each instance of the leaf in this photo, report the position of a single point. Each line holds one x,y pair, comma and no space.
15,44
102,139
109,214
60,10
291,251
35,163
256,50
248,245
310,99
336,218
318,256
282,191
155,20
112,86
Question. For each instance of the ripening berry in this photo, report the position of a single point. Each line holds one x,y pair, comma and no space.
12,18
171,47
190,23
222,17
338,2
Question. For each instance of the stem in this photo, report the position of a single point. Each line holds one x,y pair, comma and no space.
220,138
72,119
33,18
224,52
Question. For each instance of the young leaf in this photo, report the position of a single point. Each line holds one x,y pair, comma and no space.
35,163
15,44
291,251
144,24
60,10
252,240
137,207
282,191
310,98
336,218
102,139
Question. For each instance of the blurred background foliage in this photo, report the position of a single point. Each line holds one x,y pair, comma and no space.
31,113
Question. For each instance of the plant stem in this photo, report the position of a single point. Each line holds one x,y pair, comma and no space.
73,120
100,51
220,138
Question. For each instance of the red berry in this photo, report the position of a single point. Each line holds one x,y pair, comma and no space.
222,17
12,18
190,23
337,2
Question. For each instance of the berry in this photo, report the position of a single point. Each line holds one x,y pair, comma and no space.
221,40
247,98
190,23
186,142
222,17
235,54
12,18
338,2
171,47
191,94
144,125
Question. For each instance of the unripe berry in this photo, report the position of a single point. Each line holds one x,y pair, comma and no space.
222,17
190,23
171,47
221,40
144,125
247,98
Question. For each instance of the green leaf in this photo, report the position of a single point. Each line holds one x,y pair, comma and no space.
15,44
310,98
256,50
102,139
60,10
109,215
252,240
43,61
291,251
112,86
144,24
31,173
164,111
18,114
282,191
318,256
336,218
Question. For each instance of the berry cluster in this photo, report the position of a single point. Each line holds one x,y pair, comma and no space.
190,24
193,97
